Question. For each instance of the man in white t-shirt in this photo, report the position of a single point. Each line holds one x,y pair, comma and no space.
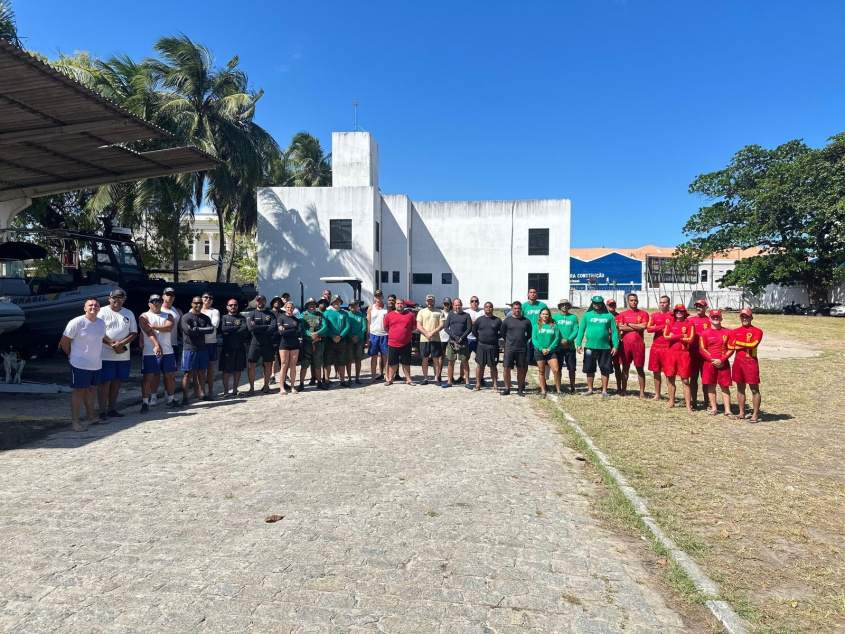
82,341
210,339
378,337
157,352
474,313
168,296
121,328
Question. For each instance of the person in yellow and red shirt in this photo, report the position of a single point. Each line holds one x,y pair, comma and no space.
701,322
632,324
746,369
680,334
714,350
659,345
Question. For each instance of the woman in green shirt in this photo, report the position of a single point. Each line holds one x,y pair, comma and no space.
546,340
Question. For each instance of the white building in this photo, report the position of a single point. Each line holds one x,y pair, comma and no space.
206,240
493,249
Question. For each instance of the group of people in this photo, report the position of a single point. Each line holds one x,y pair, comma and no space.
327,336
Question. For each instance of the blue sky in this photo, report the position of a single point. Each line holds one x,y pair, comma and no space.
615,104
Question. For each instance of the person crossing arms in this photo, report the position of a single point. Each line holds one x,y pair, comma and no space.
680,334
122,328
546,340
714,348
632,324
567,325
531,311
615,358
355,341
599,327
195,326
261,324
746,369
157,355
313,345
337,327
458,326
658,355
234,331
400,325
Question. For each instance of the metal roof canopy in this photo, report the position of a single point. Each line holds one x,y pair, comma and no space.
56,135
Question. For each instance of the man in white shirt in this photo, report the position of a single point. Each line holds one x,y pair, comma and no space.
474,313
157,352
285,300
82,341
168,296
210,339
121,329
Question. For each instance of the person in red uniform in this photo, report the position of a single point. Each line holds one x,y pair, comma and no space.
701,322
746,370
657,355
631,324
617,368
715,352
680,333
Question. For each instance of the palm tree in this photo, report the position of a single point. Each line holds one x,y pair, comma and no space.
214,109
8,28
313,168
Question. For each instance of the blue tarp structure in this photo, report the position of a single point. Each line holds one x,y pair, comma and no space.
608,272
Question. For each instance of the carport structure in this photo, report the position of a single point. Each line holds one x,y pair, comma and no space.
56,135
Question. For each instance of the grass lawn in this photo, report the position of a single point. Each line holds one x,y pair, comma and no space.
760,507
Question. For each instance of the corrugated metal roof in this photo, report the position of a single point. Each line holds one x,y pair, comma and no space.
57,135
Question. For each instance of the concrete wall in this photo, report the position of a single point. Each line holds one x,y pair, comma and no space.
293,238
395,247
484,245
354,160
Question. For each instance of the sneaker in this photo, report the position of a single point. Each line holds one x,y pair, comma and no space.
174,404
103,416
358,381
207,397
113,413
505,392
272,379
425,382
153,400
542,395
445,385
587,394
145,408
460,379
483,383
520,392
313,381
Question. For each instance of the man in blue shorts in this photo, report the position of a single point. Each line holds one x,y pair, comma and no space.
195,326
121,328
82,341
157,355
378,337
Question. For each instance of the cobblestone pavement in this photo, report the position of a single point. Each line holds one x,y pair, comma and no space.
406,509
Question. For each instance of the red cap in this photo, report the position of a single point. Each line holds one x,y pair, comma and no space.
682,308
611,302
701,302
715,313
746,311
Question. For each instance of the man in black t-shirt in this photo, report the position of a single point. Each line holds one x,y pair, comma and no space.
234,331
261,323
516,331
486,331
195,326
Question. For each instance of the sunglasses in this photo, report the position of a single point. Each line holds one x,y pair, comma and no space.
232,305
473,301
155,301
207,297
118,299
196,303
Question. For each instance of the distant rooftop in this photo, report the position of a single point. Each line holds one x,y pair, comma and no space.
640,253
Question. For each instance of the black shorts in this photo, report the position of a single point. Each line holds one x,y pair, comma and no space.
402,355
289,344
233,360
566,358
261,352
487,355
515,358
433,349
539,356
530,353
600,357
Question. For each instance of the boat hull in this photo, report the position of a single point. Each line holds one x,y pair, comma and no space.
12,317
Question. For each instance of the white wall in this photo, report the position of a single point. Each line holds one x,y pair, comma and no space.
395,248
293,238
354,160
484,244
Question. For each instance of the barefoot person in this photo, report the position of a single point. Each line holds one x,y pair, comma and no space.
599,327
546,340
567,325
516,331
233,330
680,334
400,325
290,330
746,369
82,341
659,345
632,324
713,344
157,355
486,329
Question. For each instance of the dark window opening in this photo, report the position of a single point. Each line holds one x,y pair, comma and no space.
385,277
395,277
340,234
446,278
538,242
704,276
378,238
540,281
421,278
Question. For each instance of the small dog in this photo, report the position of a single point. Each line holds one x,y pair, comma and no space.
12,361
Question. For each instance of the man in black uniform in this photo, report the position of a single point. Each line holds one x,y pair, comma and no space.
232,353
262,324
486,330
516,331
195,326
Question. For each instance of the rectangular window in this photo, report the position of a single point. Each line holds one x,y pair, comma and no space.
538,242
446,278
384,277
421,278
207,247
540,281
340,234
395,277
377,279
378,237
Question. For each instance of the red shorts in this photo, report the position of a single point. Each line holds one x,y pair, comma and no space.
746,370
677,363
633,352
696,362
711,375
657,359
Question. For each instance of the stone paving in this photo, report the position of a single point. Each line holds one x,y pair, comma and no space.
406,509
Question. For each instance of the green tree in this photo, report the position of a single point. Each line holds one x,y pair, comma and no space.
8,26
311,167
788,202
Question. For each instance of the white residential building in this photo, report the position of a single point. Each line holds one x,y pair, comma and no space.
493,249
207,238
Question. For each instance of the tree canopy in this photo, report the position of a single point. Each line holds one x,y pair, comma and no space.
787,201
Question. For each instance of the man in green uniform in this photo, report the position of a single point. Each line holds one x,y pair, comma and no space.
602,340
355,340
531,311
313,345
567,324
337,327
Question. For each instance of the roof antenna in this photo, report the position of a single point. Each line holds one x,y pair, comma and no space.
357,128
